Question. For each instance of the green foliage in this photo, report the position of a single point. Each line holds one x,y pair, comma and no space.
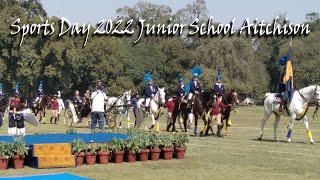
71,131
104,147
78,146
6,150
91,148
181,139
117,145
133,144
19,146
167,140
155,140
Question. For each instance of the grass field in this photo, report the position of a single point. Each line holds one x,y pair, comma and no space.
238,156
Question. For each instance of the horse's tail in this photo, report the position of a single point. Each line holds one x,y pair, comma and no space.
266,95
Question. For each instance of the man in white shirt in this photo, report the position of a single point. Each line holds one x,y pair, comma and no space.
61,104
97,113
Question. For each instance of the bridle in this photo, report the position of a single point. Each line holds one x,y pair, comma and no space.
314,95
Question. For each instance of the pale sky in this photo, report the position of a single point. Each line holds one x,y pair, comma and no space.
92,11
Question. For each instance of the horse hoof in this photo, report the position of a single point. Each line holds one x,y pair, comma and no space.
259,138
276,140
289,140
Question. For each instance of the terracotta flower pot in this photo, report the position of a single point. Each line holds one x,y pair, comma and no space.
131,157
143,155
79,159
3,164
118,156
167,153
155,154
18,161
104,157
179,151
91,158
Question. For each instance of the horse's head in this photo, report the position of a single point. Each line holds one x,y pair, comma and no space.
234,96
317,94
127,97
162,96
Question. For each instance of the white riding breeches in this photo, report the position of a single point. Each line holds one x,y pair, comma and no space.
190,95
148,102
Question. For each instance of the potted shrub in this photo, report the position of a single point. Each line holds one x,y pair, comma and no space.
19,150
104,153
117,147
91,153
78,149
155,150
6,151
132,147
167,142
143,150
180,139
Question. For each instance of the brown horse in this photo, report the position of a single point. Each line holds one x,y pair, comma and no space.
199,109
40,107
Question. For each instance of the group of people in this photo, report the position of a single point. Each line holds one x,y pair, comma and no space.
185,94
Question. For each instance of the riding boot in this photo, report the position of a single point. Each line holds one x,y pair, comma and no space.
189,103
207,130
55,120
219,131
51,120
281,105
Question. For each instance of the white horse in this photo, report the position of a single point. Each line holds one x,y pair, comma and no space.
297,109
120,105
155,103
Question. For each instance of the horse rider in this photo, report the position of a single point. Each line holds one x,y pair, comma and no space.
150,92
195,88
181,89
77,99
281,84
40,92
15,102
218,87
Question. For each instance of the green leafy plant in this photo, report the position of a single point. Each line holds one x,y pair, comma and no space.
181,139
133,144
6,150
19,146
155,140
92,148
144,141
117,145
104,147
78,146
167,140
71,131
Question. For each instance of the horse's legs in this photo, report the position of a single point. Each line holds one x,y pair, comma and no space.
290,130
263,122
195,124
128,119
275,126
305,121
153,121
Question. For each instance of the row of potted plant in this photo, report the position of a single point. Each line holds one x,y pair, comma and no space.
15,151
138,145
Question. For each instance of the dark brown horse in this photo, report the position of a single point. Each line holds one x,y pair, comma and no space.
199,109
230,97
40,107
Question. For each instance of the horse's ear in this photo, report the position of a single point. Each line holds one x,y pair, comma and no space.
129,91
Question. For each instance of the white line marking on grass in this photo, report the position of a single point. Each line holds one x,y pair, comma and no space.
245,149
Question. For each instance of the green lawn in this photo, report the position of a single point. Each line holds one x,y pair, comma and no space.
238,156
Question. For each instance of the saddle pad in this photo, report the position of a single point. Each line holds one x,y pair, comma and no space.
277,99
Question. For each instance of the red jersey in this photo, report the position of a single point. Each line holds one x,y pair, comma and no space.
169,105
54,104
15,102
216,110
